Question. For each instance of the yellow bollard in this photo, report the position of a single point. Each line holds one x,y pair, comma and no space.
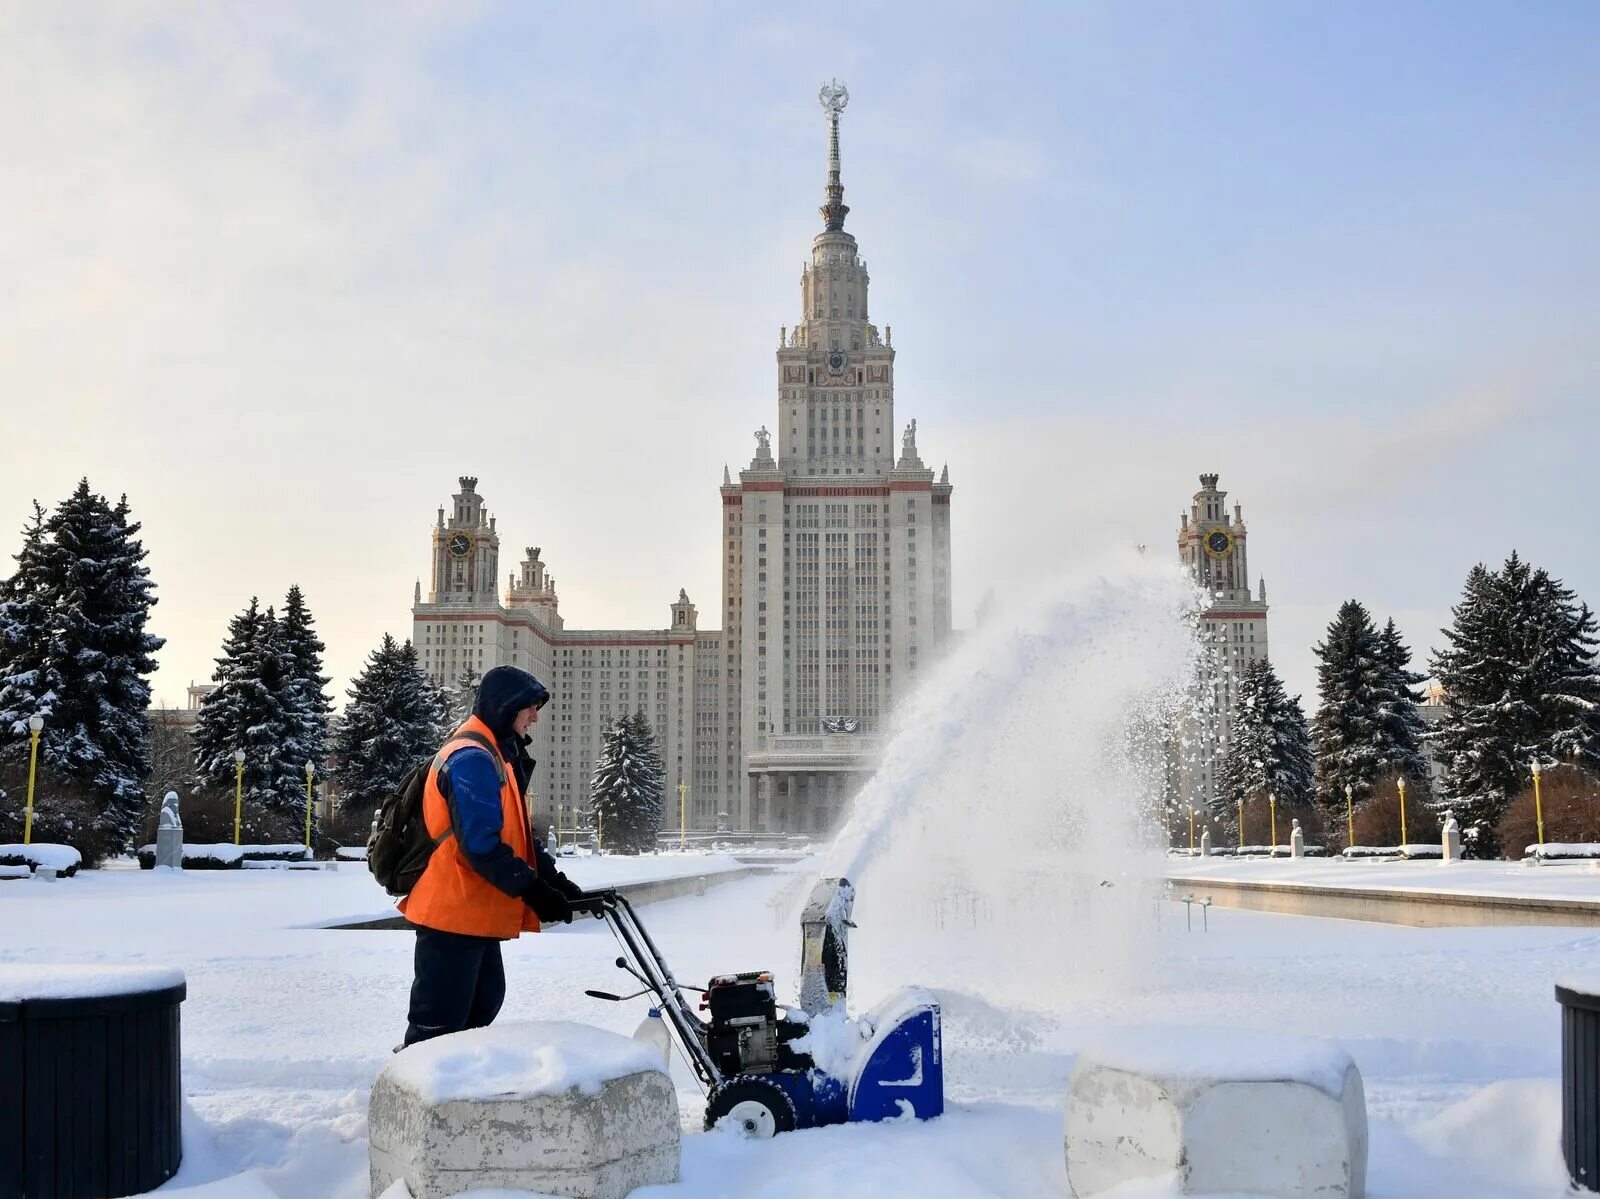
1191,830
238,791
1241,823
1402,813
1272,802
1538,803
1349,815
600,830
35,727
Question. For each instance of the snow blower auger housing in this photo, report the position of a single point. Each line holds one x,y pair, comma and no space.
756,1058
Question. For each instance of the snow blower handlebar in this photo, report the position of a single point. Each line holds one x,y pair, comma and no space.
644,961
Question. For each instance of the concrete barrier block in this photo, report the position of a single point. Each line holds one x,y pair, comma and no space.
549,1107
1205,1111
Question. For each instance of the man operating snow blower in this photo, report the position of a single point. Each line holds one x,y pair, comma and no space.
487,878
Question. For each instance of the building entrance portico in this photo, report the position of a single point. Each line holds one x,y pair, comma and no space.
804,783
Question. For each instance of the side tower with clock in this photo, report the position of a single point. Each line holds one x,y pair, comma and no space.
466,550
1233,630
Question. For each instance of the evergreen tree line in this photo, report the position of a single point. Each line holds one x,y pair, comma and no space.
1520,683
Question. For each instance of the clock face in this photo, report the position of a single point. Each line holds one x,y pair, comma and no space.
460,545
1218,542
835,363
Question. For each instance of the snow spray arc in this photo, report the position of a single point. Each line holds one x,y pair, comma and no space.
1004,848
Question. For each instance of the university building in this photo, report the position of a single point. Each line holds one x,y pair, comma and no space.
1213,547
835,567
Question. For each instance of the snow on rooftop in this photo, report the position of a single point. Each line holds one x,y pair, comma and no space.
21,982
1221,1053
540,1057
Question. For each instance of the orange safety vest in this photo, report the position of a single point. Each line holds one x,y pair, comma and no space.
451,895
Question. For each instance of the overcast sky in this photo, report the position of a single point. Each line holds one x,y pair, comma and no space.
282,272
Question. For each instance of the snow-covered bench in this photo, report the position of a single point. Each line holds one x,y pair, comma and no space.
1204,1111
549,1106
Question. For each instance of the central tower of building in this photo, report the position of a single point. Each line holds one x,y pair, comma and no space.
836,579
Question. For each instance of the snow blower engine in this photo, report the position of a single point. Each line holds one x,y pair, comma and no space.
769,1068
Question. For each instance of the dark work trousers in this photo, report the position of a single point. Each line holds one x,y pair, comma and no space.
460,983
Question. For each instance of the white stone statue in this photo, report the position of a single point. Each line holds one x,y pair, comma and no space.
908,440
169,834
763,443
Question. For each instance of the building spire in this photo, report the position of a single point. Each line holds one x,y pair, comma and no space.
833,97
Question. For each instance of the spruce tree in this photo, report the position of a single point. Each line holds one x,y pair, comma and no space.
625,791
252,710
461,697
306,694
1401,730
76,651
1519,683
395,719
1354,680
1269,747
27,616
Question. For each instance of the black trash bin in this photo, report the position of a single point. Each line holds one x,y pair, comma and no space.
90,1096
1580,1081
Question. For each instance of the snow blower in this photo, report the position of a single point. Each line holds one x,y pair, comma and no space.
763,1070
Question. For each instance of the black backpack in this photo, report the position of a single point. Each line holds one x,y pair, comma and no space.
399,847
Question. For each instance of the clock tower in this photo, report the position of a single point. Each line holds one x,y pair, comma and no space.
1232,628
466,550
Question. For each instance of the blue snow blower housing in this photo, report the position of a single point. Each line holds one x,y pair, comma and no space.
757,1058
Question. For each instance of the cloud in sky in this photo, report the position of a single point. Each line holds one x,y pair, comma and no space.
283,272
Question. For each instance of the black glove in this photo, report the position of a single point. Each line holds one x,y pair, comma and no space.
566,886
547,902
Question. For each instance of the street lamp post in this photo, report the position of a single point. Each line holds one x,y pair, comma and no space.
35,727
1241,821
311,772
1349,815
683,813
560,807
238,791
600,831
1191,828
1402,784
1272,803
1538,803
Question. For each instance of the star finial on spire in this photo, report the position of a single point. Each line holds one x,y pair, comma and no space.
833,97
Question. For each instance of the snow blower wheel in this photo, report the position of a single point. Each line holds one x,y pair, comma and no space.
756,1108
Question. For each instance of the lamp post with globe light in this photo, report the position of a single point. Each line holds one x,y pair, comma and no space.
238,791
311,772
35,727
1538,803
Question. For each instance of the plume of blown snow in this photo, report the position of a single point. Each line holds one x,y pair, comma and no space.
1007,846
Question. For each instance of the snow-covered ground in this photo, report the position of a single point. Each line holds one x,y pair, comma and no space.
286,1025
1547,880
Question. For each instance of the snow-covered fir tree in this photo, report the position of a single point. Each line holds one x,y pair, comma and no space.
1520,683
254,709
463,694
626,789
1269,747
1401,730
27,614
307,696
74,649
1352,679
396,718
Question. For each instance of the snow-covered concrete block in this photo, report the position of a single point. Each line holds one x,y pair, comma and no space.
550,1107
1205,1111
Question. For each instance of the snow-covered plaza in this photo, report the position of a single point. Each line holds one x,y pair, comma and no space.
287,1023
